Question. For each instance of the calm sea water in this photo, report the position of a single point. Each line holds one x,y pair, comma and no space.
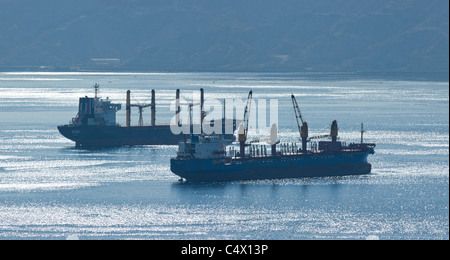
50,190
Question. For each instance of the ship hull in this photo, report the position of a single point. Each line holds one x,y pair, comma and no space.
114,136
276,167
110,136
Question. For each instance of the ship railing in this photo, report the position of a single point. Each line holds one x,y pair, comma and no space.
283,149
253,151
290,149
287,149
360,146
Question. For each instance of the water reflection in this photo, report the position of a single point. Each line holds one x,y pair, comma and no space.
266,193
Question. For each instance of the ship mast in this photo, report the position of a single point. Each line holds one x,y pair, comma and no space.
362,133
96,87
141,108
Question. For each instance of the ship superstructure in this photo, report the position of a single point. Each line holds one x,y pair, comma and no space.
96,111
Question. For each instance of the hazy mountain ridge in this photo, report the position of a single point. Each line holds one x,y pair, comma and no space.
250,35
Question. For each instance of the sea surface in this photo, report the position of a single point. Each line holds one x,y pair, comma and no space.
50,190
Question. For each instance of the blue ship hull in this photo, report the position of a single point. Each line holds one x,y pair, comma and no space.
273,167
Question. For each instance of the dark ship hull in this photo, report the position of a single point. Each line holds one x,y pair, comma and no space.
114,136
110,136
273,167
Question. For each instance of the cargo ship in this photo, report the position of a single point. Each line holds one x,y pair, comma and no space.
95,124
206,158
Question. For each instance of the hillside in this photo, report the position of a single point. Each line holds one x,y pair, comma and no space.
225,35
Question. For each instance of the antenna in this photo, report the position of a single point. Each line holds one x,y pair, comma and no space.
362,133
96,87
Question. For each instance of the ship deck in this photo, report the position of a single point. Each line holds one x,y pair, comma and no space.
311,153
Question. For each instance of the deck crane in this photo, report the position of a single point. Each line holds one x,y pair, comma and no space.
303,128
141,107
333,133
243,128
